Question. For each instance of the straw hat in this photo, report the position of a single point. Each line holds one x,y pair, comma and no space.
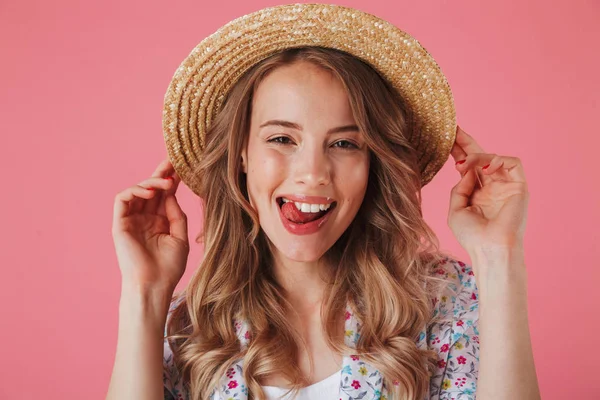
201,82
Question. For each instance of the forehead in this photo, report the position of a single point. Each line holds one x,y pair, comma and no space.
300,90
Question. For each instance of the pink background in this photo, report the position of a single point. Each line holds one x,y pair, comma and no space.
81,90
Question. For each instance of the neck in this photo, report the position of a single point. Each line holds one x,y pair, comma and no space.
303,281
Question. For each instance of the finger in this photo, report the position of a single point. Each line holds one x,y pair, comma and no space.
175,184
163,170
123,200
164,165
460,194
476,161
511,168
457,152
466,142
137,205
503,168
156,183
161,208
159,185
177,219
153,206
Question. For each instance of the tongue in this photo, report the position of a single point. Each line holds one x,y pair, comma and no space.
291,212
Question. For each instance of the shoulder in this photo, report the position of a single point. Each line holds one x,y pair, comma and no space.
172,382
453,332
176,299
459,296
455,305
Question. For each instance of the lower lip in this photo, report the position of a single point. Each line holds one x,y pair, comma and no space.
303,229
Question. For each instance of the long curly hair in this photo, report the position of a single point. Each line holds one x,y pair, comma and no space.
381,265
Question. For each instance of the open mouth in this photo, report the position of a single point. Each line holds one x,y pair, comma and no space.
303,213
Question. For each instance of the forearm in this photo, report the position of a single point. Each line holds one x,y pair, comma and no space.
137,371
506,365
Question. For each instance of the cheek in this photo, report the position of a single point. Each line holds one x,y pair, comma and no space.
266,170
354,178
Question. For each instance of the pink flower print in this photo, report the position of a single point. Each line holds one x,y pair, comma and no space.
348,315
440,271
444,348
473,297
441,364
355,384
354,357
460,382
435,340
247,335
476,339
460,322
434,300
230,373
471,273
461,360
462,264
232,384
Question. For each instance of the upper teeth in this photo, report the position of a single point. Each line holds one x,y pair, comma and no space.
307,207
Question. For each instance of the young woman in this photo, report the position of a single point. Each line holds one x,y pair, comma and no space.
320,277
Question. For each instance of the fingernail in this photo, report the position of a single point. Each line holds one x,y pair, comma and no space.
486,166
460,162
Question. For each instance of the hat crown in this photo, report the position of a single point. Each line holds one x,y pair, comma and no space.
203,79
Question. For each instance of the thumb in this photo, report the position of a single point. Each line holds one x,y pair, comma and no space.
460,194
177,218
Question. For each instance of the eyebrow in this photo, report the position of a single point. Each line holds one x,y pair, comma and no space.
293,125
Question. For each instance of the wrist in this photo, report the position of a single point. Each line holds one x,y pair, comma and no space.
501,256
496,268
147,304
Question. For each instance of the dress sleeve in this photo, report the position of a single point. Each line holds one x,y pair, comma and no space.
173,389
456,339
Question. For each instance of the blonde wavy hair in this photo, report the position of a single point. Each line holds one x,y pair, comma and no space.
381,265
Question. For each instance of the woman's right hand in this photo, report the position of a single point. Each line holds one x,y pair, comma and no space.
150,232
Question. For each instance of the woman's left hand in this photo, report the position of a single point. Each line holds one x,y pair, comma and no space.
488,207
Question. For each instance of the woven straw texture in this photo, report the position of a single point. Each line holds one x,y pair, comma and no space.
200,84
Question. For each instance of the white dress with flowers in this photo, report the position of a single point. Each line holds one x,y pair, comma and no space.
455,339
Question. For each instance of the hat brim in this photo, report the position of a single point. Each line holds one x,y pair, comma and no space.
205,76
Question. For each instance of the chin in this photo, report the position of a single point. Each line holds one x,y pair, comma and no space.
304,257
300,251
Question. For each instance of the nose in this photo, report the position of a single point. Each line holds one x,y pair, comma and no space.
313,167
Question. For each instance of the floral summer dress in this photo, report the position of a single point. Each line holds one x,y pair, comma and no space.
455,338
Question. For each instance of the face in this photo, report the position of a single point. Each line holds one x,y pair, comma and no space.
306,161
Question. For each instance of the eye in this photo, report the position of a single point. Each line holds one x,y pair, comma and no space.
280,140
345,144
